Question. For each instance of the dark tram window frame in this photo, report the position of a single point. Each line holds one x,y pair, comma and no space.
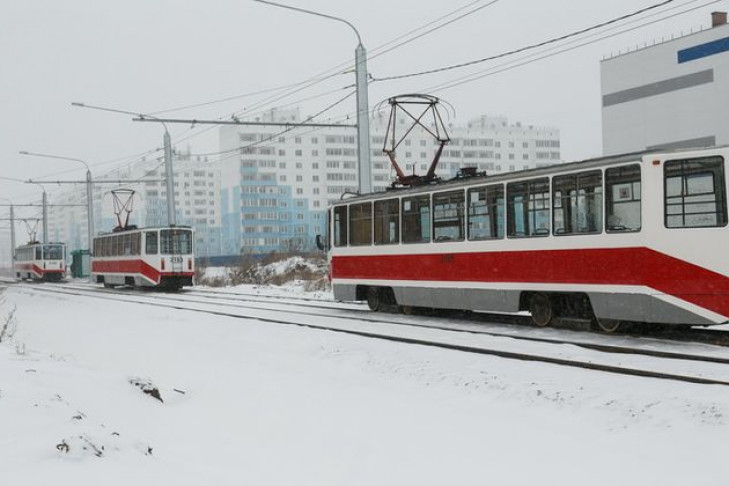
386,212
360,224
564,201
684,169
340,223
416,219
610,180
495,199
526,189
455,198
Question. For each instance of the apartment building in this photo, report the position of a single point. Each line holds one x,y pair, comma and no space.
275,186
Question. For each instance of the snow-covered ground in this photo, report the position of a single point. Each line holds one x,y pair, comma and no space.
245,402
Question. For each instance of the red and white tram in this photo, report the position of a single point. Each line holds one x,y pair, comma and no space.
41,261
147,257
639,237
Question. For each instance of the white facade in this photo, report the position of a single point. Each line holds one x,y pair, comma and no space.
670,95
275,187
197,203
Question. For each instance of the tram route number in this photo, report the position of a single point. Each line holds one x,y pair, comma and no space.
176,259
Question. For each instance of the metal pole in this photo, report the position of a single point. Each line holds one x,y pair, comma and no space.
363,110
363,121
90,210
171,219
12,240
45,217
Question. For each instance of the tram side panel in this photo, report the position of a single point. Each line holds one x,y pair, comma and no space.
665,266
142,259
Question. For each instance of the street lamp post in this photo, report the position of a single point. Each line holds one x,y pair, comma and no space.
169,174
89,194
363,122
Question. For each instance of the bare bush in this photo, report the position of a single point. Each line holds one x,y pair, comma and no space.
8,322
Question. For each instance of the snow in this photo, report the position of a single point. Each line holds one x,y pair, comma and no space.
267,404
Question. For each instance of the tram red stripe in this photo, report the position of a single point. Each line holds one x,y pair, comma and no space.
129,267
610,266
126,267
36,269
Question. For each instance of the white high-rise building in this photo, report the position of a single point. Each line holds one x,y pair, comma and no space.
275,186
669,95
197,202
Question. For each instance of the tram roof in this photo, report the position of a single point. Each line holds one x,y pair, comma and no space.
38,243
458,182
147,228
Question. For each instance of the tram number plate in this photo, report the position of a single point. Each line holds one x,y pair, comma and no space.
176,259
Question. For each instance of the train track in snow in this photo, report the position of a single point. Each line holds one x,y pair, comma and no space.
439,336
702,336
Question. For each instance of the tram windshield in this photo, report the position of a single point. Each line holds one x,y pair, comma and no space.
53,252
175,242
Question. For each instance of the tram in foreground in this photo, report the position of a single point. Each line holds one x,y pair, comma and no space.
40,261
144,257
631,238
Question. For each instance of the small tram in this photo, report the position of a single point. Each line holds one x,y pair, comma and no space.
144,257
40,261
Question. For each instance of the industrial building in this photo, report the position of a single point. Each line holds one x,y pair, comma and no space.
669,95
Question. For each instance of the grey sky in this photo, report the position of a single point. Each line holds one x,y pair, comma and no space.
149,55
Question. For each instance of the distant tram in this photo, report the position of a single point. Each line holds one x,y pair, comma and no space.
146,257
632,238
41,261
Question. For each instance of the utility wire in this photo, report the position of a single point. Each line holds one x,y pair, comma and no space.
546,54
528,47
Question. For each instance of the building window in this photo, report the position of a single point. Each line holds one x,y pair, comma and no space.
622,198
695,193
577,203
528,208
486,213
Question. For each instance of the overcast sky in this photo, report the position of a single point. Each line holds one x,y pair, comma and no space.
150,55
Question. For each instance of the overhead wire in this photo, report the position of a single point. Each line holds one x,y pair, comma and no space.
556,50
527,47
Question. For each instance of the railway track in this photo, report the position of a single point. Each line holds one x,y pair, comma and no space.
702,336
443,337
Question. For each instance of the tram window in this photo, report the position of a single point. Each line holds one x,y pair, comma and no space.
416,219
528,208
622,199
150,244
360,224
486,213
387,222
38,255
175,242
577,207
448,216
340,226
52,252
695,193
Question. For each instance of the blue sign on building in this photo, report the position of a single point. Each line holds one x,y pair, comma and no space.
703,50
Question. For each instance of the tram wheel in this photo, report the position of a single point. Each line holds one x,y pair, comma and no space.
407,310
540,306
109,286
374,300
608,325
